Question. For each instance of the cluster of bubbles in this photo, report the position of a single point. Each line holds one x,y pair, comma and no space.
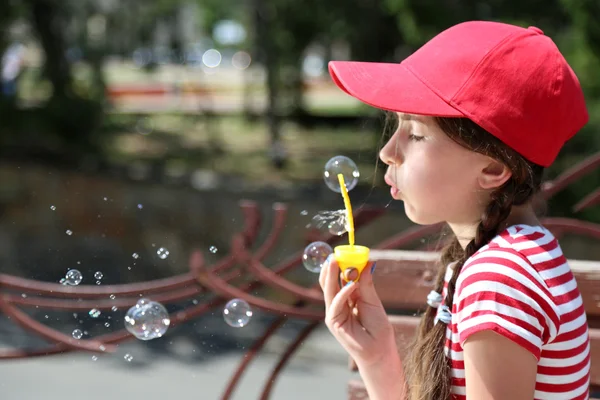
148,319
335,221
315,254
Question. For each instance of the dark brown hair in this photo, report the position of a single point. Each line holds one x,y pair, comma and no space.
427,367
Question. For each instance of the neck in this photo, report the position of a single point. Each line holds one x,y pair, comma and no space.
465,232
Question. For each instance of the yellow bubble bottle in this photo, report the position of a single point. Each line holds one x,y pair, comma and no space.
350,255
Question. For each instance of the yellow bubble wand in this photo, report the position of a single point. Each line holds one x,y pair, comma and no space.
350,255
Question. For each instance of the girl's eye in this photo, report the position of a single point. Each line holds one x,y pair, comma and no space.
415,137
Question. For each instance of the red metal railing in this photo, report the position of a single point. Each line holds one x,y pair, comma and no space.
218,279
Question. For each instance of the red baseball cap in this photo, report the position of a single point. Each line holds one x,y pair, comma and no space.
511,81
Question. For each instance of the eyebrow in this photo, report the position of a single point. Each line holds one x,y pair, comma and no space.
409,117
404,117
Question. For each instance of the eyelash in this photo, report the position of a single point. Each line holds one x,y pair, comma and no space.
415,138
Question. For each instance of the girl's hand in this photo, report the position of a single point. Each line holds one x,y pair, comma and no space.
355,315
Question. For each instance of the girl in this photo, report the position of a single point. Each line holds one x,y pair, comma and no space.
483,108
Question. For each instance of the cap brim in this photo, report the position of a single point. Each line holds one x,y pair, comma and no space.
390,87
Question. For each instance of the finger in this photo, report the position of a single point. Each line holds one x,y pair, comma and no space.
339,310
367,291
350,274
323,272
331,285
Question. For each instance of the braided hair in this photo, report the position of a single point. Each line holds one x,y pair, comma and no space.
427,367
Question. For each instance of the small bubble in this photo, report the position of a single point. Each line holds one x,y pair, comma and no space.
23,295
107,324
114,308
94,313
98,275
162,253
73,278
69,232
77,334
213,249
105,198
53,208
303,212
45,316
98,282
112,297
102,348
94,358
128,357
129,268
140,206
194,301
135,255
75,315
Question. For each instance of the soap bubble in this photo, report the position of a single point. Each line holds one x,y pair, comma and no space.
315,255
237,313
53,208
213,249
98,275
94,313
77,334
337,227
147,320
135,255
69,232
73,278
162,253
341,165
94,358
128,357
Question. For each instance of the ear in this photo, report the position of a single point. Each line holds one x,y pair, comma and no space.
493,175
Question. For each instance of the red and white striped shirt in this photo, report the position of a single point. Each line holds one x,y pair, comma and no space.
521,287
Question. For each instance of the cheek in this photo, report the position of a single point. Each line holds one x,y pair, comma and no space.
436,183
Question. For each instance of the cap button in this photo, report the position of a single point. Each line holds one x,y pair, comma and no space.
536,29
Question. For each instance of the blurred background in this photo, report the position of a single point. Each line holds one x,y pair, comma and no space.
127,126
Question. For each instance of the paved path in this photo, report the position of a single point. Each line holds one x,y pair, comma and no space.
317,371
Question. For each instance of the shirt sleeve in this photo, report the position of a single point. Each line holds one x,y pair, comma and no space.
499,290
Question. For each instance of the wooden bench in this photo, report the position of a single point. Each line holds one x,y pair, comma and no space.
404,278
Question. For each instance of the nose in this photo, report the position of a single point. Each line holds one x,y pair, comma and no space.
390,153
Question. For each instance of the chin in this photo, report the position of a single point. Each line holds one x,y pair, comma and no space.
419,217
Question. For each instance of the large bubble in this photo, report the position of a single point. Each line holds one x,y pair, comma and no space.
315,255
340,165
147,320
237,313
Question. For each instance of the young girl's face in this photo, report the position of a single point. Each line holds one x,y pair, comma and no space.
436,178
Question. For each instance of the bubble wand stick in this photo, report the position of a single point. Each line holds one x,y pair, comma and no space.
350,256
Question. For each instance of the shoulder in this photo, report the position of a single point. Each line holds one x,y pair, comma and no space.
513,257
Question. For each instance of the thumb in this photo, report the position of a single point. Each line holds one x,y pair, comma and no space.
367,287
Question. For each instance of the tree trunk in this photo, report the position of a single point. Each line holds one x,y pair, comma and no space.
48,25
